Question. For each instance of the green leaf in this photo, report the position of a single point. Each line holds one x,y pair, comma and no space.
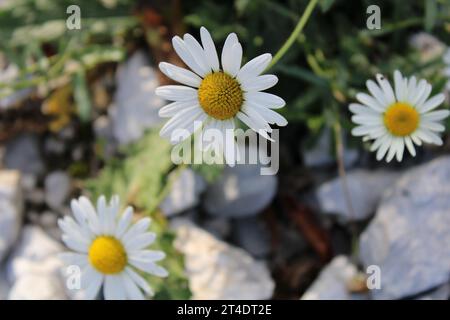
81,95
326,5
431,11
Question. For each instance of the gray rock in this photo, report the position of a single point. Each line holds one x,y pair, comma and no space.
241,191
11,210
441,293
252,235
217,270
365,188
57,189
135,106
321,153
4,286
53,145
37,287
220,227
408,238
36,253
22,153
184,194
332,282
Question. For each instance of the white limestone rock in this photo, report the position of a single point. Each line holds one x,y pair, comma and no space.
217,270
11,209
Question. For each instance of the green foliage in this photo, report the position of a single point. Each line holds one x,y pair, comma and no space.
139,176
35,38
335,55
175,286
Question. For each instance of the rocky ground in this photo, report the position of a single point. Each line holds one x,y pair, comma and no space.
244,236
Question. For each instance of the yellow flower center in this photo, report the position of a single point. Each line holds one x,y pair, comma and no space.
220,96
401,119
107,255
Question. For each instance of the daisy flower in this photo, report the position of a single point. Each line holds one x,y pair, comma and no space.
399,117
215,96
109,248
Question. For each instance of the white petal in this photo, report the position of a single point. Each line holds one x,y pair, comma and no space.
132,290
183,120
173,108
378,142
148,255
376,92
370,102
415,138
410,146
197,52
227,51
412,89
259,83
72,258
254,67
230,150
436,115
265,99
400,86
363,130
433,103
90,212
149,267
364,110
232,63
183,52
419,91
400,149
256,117
387,89
72,233
139,227
92,283
268,115
384,148
176,93
124,222
433,126
392,150
140,241
210,49
101,209
141,282
367,119
424,96
431,137
190,126
180,74
74,244
114,288
253,125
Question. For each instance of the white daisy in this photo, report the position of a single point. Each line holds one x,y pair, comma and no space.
216,96
109,248
398,117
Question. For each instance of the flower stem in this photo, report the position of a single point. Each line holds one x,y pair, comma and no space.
347,195
298,29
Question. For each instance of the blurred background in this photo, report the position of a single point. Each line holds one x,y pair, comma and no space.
78,115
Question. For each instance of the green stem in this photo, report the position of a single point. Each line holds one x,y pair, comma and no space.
347,194
168,186
294,35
